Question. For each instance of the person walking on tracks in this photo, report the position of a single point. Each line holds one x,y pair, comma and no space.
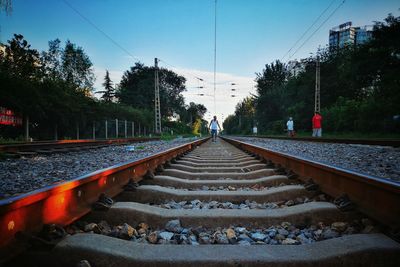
317,125
290,127
214,125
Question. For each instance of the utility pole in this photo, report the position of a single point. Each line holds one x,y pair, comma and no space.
317,104
157,109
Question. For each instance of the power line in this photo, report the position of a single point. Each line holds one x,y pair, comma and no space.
172,66
100,30
309,28
215,53
334,11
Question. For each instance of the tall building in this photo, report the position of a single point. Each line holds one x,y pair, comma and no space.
345,34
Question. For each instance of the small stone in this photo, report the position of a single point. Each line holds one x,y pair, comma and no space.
289,241
283,232
322,197
220,238
241,230
302,239
279,237
166,235
339,226
231,188
127,231
104,227
143,227
174,226
285,224
258,236
92,227
205,188
230,233
153,237
204,238
245,237
289,203
272,233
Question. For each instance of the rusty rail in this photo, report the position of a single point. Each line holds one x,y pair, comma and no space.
377,197
67,143
375,142
66,202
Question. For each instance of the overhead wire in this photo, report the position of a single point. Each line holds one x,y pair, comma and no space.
100,30
309,28
334,11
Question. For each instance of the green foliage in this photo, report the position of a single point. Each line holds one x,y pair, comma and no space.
137,89
109,92
52,89
359,89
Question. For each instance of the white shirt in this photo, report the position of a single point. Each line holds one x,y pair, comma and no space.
289,125
214,125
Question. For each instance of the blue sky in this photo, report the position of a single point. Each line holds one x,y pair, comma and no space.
250,33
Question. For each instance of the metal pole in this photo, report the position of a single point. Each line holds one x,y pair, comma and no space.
27,128
56,132
126,129
77,131
133,129
157,108
106,130
94,130
317,104
116,128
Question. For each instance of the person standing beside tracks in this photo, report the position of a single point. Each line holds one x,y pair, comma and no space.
317,125
214,125
290,127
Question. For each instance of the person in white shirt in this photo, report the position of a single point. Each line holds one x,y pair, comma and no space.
290,127
214,125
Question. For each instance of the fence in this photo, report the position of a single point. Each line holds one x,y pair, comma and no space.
106,129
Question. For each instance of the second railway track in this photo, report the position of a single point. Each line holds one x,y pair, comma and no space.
220,206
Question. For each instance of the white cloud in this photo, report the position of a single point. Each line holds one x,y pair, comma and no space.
225,104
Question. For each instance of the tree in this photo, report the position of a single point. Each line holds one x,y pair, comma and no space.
137,89
19,60
109,92
76,68
52,60
195,111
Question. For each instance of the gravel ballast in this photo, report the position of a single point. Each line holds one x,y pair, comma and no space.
378,161
26,174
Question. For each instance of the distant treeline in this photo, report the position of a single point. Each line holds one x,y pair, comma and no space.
54,88
360,90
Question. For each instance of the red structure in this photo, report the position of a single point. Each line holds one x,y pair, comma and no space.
8,117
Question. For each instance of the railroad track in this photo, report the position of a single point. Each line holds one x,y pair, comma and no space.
63,146
371,142
214,204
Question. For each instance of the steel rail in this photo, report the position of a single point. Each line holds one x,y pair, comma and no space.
376,197
67,143
66,202
371,142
